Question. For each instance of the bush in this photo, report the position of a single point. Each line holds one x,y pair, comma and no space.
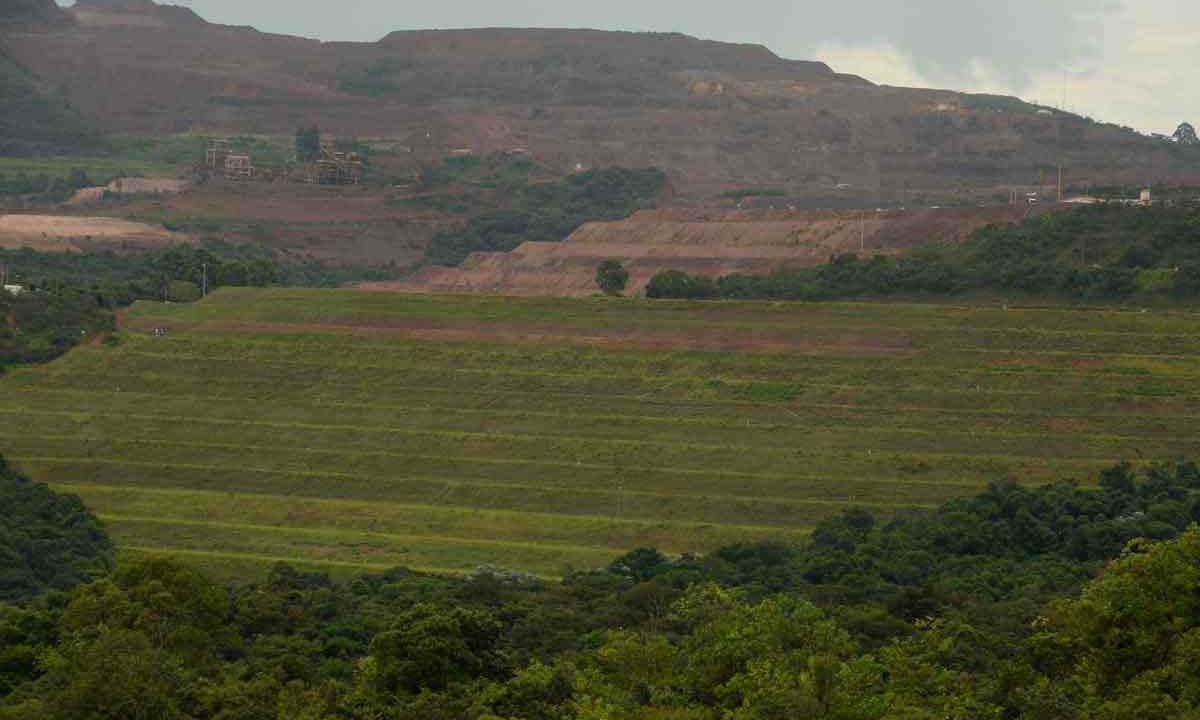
680,285
182,291
612,277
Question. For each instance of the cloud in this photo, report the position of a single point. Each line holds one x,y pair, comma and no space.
1136,68
941,39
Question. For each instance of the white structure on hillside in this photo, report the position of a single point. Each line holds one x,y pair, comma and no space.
14,289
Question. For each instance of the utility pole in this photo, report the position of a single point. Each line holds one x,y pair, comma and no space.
862,231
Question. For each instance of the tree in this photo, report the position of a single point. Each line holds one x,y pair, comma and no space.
612,277
1134,633
674,284
48,541
432,646
119,676
308,143
1185,134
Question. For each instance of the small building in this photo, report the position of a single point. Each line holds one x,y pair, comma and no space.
14,290
1144,197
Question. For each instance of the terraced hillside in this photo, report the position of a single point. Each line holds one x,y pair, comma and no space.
367,430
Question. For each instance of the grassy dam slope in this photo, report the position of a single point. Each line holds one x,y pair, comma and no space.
344,430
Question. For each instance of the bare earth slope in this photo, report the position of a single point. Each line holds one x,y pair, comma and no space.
699,242
57,233
714,115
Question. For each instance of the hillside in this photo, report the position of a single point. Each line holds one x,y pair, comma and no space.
34,119
47,541
715,116
351,430
702,242
31,12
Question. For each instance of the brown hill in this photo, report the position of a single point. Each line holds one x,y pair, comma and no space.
716,116
700,242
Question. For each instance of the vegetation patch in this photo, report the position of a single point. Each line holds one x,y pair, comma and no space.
1093,254
48,541
542,211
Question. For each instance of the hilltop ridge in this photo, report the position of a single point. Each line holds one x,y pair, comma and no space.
716,116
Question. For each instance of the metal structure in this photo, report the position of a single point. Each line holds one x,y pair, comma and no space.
218,150
336,168
239,167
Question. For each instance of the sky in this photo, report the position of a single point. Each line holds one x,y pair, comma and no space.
1132,63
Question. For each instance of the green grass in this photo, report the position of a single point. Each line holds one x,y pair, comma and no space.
343,430
131,156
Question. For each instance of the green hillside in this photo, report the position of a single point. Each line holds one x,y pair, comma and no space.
352,430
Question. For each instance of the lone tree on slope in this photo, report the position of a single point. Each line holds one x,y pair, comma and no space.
1186,135
612,277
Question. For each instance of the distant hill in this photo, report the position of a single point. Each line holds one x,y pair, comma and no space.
34,119
715,116
31,11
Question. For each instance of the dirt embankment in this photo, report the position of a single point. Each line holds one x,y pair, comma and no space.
701,242
60,233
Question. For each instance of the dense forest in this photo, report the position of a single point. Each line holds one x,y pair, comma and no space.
47,541
1056,602
1091,254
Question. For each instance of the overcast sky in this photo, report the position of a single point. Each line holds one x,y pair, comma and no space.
1132,63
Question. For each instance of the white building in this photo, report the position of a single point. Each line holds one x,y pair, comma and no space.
14,289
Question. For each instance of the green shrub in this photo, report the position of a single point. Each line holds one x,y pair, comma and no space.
612,277
183,291
47,541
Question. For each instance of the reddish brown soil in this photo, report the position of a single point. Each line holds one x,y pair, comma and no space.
701,242
715,116
353,225
60,233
